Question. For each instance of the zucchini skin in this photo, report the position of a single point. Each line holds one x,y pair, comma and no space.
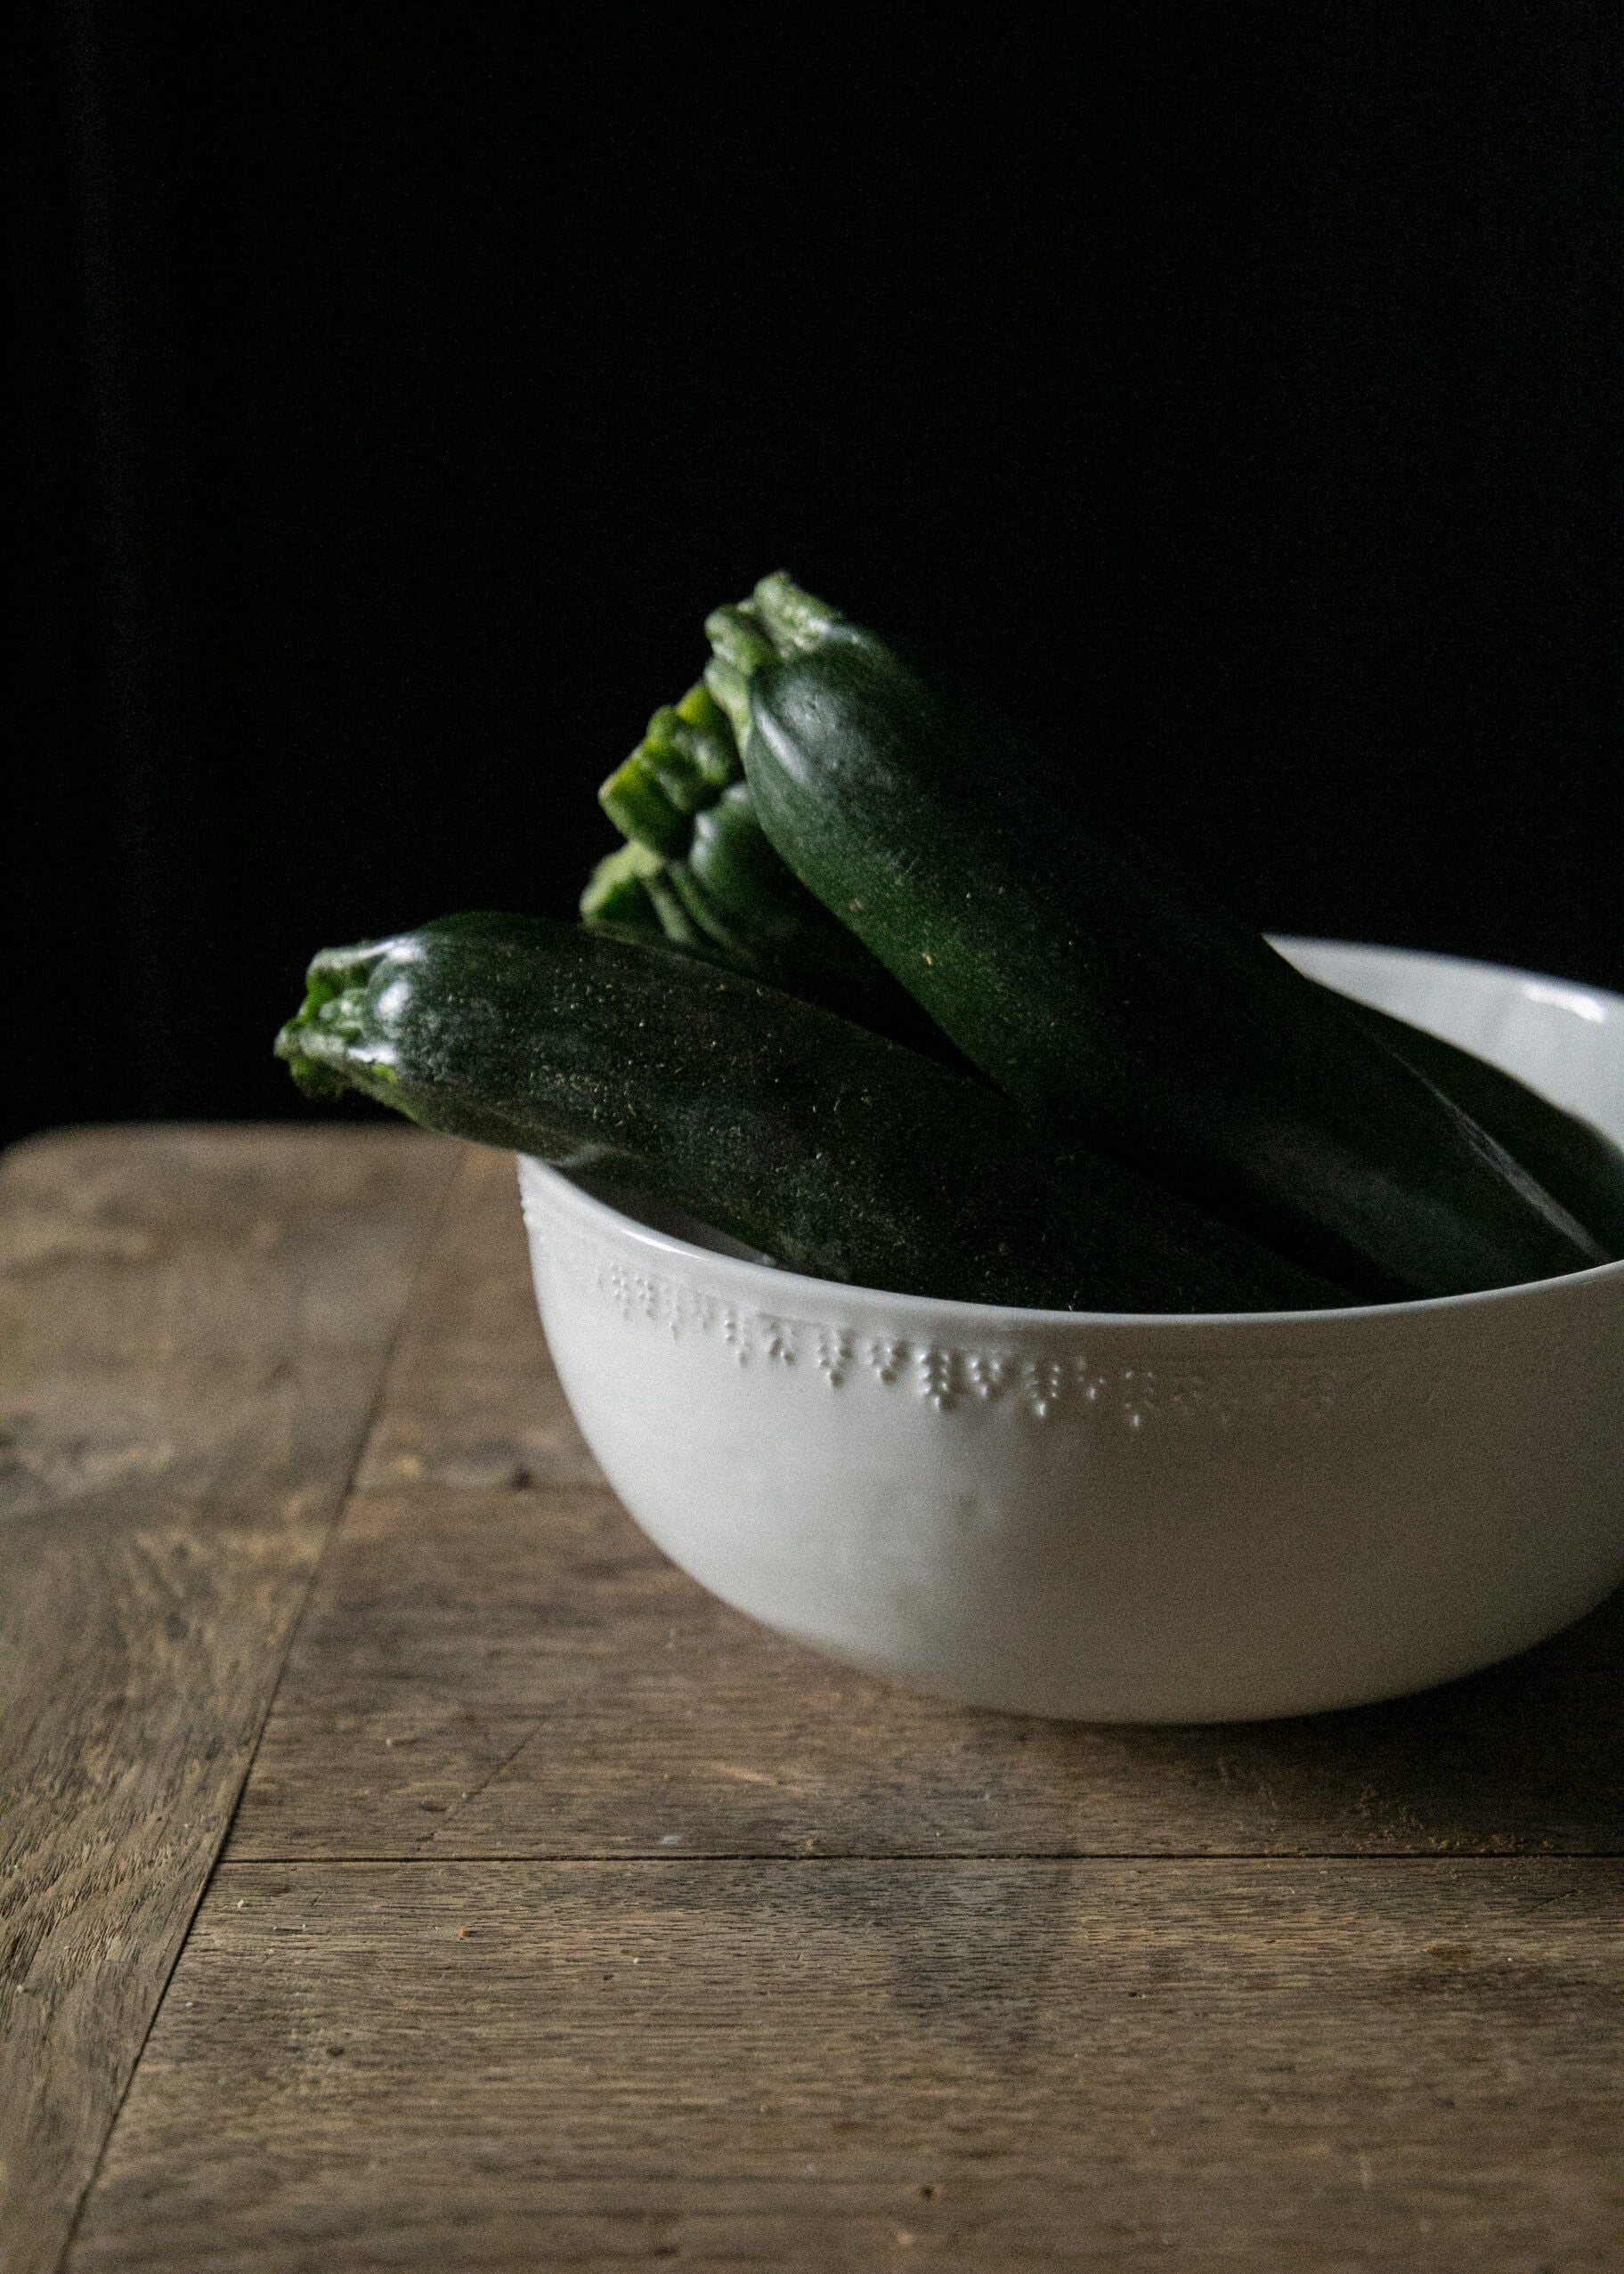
1093,982
1577,1163
840,1153
779,932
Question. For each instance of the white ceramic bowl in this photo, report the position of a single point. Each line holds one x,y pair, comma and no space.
1123,1518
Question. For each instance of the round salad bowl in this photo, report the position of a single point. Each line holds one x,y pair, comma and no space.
1121,1517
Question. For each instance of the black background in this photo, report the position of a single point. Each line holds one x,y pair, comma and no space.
400,391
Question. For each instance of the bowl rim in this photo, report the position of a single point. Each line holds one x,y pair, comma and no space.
781,1288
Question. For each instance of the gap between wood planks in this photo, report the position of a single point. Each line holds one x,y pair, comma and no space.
948,1855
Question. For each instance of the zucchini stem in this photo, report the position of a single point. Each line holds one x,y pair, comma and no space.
324,1042
796,622
617,890
684,762
777,621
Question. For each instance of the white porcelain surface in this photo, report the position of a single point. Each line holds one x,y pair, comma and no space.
1123,1518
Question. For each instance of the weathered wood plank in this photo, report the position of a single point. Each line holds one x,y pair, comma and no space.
193,1324
1267,2066
522,1674
473,1398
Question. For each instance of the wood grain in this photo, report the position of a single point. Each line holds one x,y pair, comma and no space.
1266,2066
495,1662
473,1398
194,1325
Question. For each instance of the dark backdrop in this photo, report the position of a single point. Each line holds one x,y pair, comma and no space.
399,391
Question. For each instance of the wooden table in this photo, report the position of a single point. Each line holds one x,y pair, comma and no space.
405,1867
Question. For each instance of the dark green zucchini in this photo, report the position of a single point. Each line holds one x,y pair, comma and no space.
1095,983
1579,1167
1574,1161
802,1134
